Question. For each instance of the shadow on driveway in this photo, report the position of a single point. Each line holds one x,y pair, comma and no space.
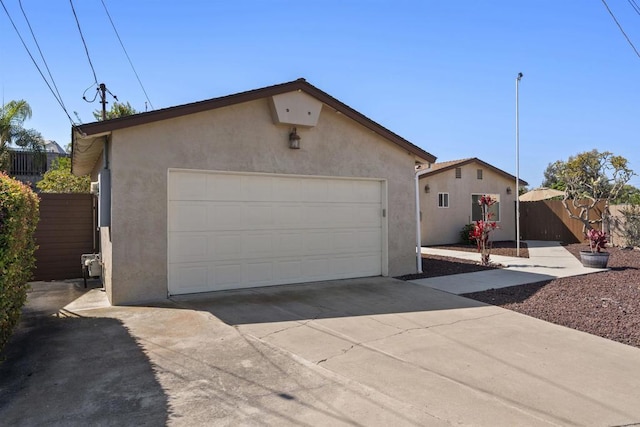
322,300
62,369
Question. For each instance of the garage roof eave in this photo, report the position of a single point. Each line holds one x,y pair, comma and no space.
86,151
107,126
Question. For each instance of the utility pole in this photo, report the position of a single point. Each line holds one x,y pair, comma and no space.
103,100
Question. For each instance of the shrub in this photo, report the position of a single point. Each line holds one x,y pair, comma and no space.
18,219
465,234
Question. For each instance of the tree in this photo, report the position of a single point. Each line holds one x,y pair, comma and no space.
589,178
628,195
118,109
13,114
59,179
552,176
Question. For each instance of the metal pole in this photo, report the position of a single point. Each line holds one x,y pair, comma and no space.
103,100
518,164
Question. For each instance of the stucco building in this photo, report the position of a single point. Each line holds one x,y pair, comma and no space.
283,184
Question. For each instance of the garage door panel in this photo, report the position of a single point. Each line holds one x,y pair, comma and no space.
287,190
343,241
190,277
289,243
369,239
189,247
224,187
258,215
257,244
315,215
368,216
369,265
225,246
315,190
367,192
288,271
225,276
341,215
318,242
258,273
342,191
289,216
187,186
315,268
224,216
238,231
257,188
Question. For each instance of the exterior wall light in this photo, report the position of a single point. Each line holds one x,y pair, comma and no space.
426,188
509,190
294,139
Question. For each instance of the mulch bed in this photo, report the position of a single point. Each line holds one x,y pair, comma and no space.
434,265
606,304
506,248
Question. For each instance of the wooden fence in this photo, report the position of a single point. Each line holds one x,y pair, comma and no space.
66,230
549,220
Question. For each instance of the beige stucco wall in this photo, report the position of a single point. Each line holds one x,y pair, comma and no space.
443,225
241,137
105,237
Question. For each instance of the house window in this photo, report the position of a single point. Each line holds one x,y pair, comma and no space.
443,200
458,173
476,209
479,173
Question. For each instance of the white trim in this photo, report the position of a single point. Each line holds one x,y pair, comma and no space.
448,198
418,174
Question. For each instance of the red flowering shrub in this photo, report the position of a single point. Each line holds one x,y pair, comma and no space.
597,240
482,229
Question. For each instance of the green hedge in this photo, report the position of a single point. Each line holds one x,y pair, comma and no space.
19,213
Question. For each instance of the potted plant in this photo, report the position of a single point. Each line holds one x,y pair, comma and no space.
595,257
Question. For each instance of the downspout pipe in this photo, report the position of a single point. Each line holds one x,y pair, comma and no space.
419,173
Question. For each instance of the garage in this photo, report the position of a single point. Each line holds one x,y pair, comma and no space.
238,230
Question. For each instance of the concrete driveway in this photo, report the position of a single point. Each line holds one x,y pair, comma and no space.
355,352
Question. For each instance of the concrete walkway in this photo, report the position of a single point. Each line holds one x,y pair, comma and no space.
547,261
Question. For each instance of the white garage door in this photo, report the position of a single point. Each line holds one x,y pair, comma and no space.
234,230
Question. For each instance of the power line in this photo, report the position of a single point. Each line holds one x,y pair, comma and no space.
86,49
40,51
620,26
125,52
635,6
36,64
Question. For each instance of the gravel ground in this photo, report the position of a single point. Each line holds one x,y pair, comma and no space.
606,304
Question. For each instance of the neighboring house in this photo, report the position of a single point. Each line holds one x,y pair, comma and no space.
29,167
449,193
283,184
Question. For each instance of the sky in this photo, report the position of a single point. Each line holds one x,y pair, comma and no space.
441,74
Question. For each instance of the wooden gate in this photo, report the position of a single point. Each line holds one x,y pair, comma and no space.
66,230
548,220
